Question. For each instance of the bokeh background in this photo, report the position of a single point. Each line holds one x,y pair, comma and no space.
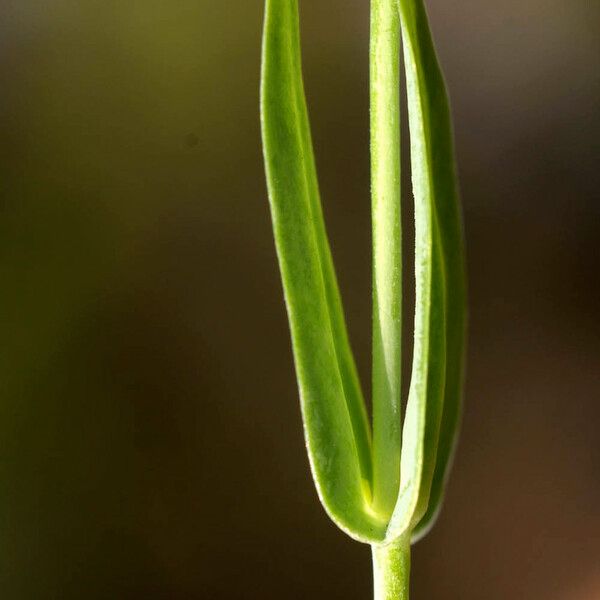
150,435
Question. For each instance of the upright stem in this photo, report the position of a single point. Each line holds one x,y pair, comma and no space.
387,251
391,570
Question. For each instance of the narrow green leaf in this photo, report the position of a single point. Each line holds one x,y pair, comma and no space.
387,252
447,203
434,397
335,422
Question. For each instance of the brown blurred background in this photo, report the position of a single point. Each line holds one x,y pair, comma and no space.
150,436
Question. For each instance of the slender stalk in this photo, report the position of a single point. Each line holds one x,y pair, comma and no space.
391,570
387,252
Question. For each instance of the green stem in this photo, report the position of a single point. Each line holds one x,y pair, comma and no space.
387,252
391,570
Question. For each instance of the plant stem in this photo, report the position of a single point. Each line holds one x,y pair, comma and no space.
391,570
387,251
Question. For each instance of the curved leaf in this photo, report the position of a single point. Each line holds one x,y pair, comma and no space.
451,237
335,424
434,399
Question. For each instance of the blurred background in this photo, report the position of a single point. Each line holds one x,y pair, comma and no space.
150,434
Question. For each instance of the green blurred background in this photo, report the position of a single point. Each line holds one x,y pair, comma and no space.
150,436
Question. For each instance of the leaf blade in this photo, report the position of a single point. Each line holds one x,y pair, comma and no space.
387,253
434,400
449,219
335,423
451,237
